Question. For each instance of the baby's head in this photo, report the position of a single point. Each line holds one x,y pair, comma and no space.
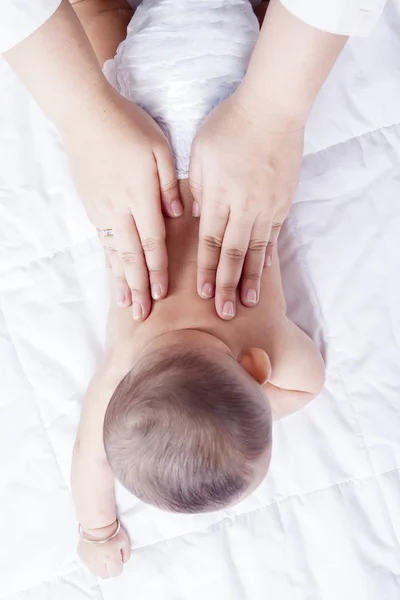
189,430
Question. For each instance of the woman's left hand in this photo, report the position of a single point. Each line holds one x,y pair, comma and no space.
244,172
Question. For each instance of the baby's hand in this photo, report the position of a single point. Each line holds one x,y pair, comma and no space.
105,560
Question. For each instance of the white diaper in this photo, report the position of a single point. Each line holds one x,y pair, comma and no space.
180,59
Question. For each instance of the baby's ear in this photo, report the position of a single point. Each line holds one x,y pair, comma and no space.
257,364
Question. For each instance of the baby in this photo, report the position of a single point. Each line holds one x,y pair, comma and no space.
181,408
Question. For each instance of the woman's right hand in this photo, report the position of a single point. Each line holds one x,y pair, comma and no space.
124,172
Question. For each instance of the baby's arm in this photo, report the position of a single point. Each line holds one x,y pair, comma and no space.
92,478
93,482
298,372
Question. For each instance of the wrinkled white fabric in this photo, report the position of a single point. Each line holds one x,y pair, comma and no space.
20,18
180,59
343,17
325,524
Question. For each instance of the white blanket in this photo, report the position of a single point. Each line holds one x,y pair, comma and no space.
325,525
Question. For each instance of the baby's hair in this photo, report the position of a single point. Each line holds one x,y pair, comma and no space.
184,431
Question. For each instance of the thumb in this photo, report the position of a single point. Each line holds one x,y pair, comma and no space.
169,191
114,567
125,551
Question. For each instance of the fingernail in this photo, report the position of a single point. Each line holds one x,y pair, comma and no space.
137,311
207,290
269,260
156,292
176,208
195,209
121,298
228,309
251,296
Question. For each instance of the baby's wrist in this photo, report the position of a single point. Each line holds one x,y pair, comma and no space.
99,533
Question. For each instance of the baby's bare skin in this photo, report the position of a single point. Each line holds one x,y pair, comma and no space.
296,364
262,340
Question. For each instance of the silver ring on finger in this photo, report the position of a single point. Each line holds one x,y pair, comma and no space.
106,232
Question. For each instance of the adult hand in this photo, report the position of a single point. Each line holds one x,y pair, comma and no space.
105,560
123,169
244,172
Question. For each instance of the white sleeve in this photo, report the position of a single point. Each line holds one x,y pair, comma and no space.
343,17
20,18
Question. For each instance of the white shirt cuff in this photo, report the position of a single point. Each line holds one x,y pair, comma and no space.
342,17
20,18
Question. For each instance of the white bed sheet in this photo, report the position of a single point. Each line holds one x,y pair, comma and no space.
326,522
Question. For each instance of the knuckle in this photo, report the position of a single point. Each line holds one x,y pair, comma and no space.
257,245
112,250
206,269
246,209
136,293
154,272
194,186
236,254
271,243
219,207
226,293
277,224
150,244
212,243
271,165
129,257
253,276
228,289
168,186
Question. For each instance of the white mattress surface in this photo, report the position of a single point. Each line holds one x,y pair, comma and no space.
325,524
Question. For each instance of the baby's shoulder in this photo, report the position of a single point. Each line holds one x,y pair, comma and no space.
294,353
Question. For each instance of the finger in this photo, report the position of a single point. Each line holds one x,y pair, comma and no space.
107,258
123,292
213,223
135,269
151,228
114,567
126,552
170,197
272,243
254,263
100,569
234,249
195,182
97,566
